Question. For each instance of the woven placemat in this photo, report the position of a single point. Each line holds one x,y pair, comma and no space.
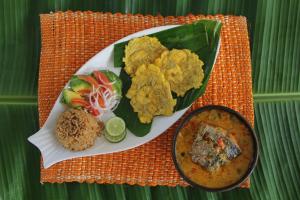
69,39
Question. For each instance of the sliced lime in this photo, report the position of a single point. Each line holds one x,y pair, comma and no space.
115,127
116,138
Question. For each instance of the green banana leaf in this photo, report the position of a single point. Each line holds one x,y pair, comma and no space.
275,44
201,37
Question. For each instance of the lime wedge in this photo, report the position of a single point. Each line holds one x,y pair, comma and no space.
115,127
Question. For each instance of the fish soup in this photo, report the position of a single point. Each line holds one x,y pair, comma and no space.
214,149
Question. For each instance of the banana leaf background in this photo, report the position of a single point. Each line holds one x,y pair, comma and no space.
274,27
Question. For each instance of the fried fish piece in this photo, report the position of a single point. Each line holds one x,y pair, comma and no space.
139,51
150,93
213,147
182,69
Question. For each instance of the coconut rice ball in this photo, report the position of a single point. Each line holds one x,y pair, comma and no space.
76,130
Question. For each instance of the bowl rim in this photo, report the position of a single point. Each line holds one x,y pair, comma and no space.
246,123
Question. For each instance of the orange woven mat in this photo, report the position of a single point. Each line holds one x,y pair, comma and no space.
70,39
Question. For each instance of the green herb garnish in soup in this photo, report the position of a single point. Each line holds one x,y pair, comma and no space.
214,149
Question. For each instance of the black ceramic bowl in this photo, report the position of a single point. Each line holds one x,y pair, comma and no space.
243,120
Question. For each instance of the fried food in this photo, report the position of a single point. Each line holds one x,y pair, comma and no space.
150,93
77,130
139,51
155,73
182,69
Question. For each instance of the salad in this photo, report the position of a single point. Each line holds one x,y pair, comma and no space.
96,93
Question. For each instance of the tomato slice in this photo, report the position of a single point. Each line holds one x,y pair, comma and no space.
86,104
84,91
102,79
101,102
89,79
94,112
80,102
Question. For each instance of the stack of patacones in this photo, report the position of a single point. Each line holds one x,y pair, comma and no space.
156,72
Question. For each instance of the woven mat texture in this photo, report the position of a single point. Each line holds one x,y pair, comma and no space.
69,39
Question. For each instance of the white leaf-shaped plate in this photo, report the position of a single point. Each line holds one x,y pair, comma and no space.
53,152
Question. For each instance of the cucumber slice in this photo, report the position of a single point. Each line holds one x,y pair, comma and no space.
115,129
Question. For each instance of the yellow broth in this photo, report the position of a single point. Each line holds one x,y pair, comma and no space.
229,173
